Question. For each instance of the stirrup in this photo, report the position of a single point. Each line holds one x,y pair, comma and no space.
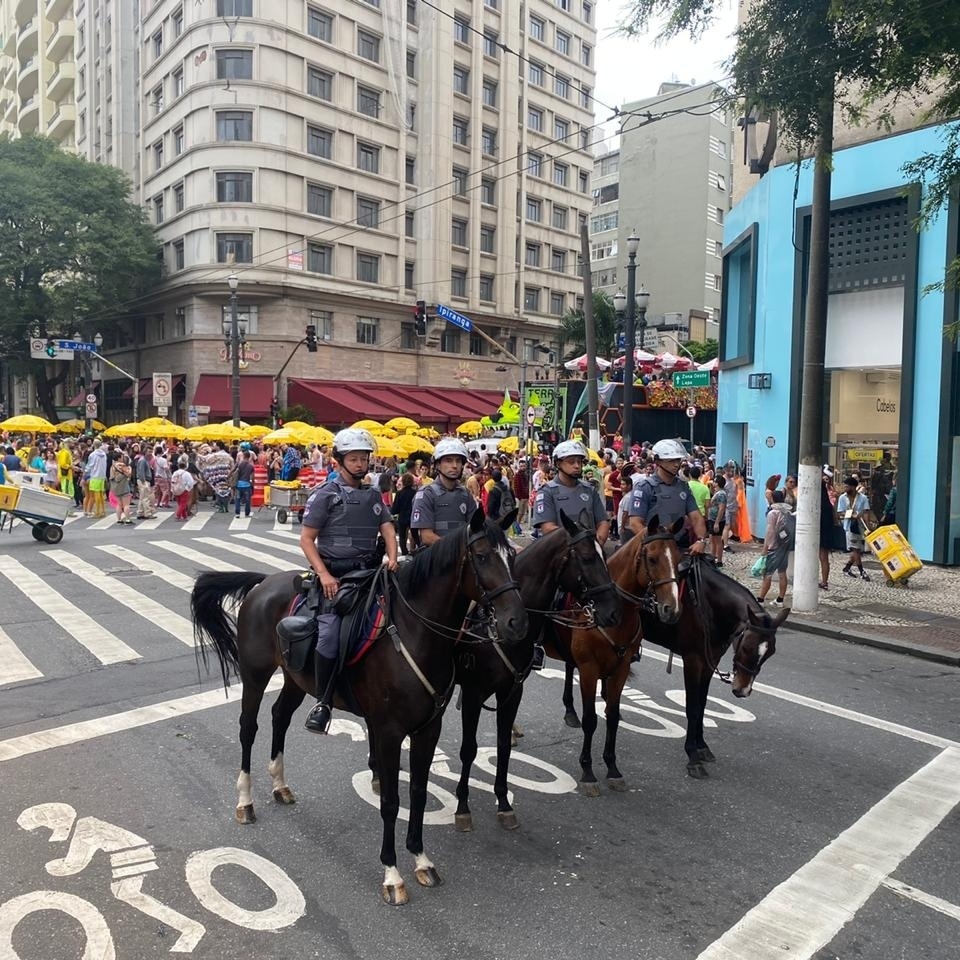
318,719
538,655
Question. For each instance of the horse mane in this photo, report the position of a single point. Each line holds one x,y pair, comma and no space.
720,580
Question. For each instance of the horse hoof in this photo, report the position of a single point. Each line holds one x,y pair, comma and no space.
395,895
697,770
428,877
285,796
589,789
572,720
246,815
463,822
507,819
375,786
617,784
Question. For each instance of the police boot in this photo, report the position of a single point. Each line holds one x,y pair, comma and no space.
325,672
538,655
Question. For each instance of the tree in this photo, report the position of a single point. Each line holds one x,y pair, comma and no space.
573,330
297,412
703,350
72,247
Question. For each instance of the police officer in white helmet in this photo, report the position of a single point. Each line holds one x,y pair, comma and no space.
445,505
341,526
663,493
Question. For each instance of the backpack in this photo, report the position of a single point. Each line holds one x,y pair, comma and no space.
508,501
787,532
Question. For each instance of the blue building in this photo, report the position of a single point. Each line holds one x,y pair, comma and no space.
892,379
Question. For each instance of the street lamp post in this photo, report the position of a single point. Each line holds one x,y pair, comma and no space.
102,408
233,280
690,395
633,243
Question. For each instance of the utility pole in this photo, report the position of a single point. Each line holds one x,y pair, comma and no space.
593,398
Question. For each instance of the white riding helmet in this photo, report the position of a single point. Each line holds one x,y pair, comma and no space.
569,448
353,440
450,447
669,450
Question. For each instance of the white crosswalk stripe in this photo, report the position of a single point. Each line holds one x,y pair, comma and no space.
106,647
195,556
139,562
14,666
254,555
239,523
105,524
155,522
198,522
162,618
273,544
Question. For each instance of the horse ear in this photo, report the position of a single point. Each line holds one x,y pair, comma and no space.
781,616
752,616
506,521
678,526
477,520
569,525
652,524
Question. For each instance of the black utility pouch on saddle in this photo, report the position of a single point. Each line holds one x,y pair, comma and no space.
298,634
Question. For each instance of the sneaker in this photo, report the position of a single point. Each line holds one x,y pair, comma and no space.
849,572
864,575
779,601
760,600
824,586
728,549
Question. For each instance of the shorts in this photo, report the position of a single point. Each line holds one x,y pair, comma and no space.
711,528
96,484
777,560
855,541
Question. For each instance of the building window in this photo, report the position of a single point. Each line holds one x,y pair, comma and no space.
368,330
319,83
411,114
157,44
588,13
368,157
534,209
458,232
408,269
585,138
320,25
408,224
720,181
450,340
411,65
717,282
560,217
461,79
718,147
562,43
583,181
234,125
158,208
319,142
177,21
532,255
531,298
718,216
489,92
178,198
178,85
234,248
234,64
234,188
538,28
368,46
717,250
156,99
488,191
459,181
323,321
461,30
536,74
558,304
486,287
561,86
610,165
605,221
319,258
368,101
180,318
535,119
408,335
586,97
488,236
535,164
410,170
489,142
586,54
234,8
558,261
560,174
178,141
412,12
158,155
368,212
461,129
368,269
561,129
319,200
739,284
458,283
491,43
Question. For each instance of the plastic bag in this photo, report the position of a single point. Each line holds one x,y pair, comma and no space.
759,567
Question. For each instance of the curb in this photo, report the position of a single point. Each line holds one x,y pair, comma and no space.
934,654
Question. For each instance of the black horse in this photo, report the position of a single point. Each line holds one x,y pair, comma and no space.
401,686
569,558
716,612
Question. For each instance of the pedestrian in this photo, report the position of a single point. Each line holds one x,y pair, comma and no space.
828,524
851,506
772,483
778,542
145,508
181,486
402,505
521,492
96,475
890,507
243,489
790,492
717,518
120,487
700,491
290,469
161,477
51,470
65,468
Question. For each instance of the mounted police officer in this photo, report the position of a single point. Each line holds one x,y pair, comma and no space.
341,525
445,505
663,493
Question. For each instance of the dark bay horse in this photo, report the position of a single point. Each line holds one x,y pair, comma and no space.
646,572
717,612
568,558
401,686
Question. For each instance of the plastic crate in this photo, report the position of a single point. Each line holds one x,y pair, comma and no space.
887,541
44,504
901,565
9,495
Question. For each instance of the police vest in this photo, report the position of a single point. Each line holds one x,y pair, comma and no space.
670,501
451,508
571,500
353,522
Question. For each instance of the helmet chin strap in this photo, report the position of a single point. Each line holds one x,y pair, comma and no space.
356,476
669,473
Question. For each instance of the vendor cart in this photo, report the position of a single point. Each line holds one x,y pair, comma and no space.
43,510
288,499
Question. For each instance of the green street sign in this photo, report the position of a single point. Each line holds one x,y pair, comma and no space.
693,378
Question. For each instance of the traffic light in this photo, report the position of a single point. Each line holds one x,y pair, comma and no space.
274,409
51,350
420,319
312,337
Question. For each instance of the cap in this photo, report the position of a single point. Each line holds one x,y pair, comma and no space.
827,470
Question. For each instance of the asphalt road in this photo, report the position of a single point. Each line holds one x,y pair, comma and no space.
828,827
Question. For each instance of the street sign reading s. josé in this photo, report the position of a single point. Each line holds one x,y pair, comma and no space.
691,378
162,389
451,316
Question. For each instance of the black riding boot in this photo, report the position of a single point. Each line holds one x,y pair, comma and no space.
325,671
538,654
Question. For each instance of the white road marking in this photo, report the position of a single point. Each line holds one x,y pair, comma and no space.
139,562
268,542
155,522
285,532
99,641
98,941
279,527
239,523
926,899
805,912
159,615
198,522
30,743
14,666
256,556
195,556
106,523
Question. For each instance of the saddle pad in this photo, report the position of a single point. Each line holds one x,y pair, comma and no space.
372,625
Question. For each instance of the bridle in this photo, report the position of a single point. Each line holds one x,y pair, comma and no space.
647,601
737,642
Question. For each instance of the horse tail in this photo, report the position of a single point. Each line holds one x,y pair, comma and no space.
213,628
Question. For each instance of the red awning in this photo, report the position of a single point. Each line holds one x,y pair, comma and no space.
146,386
214,391
336,402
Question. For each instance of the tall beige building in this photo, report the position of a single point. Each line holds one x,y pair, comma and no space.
344,160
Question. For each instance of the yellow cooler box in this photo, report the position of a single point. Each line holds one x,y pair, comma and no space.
893,550
9,496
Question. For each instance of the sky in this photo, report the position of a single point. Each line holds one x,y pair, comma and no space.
630,69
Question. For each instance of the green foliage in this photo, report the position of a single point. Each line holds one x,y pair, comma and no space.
703,350
574,331
297,412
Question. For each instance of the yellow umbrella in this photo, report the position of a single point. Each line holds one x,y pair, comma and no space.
242,424
470,428
322,435
29,423
122,430
388,432
367,425
159,428
427,432
297,425
400,424
77,426
512,445
595,457
255,432
386,447
409,444
286,435
198,434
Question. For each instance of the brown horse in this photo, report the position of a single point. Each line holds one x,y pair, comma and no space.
400,687
646,571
